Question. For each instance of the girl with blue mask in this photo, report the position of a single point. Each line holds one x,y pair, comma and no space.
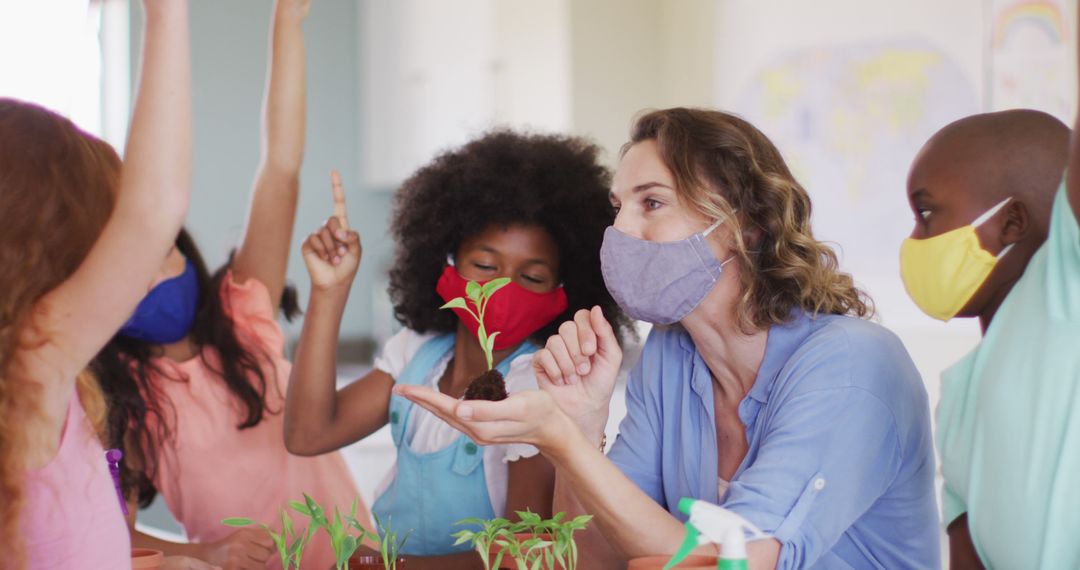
197,376
167,312
762,388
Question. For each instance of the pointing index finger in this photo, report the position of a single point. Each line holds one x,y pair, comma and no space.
340,212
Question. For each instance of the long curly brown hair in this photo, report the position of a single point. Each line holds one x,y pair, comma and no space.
141,420
56,187
726,169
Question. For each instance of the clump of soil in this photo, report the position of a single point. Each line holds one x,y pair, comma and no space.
487,386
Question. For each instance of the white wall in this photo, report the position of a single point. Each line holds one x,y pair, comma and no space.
632,55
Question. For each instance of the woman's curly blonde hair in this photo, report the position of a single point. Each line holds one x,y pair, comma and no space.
726,169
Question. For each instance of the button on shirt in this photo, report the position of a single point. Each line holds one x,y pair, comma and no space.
840,467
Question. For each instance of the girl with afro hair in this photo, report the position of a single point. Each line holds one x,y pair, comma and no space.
531,208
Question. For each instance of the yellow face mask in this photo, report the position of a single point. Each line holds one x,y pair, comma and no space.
942,273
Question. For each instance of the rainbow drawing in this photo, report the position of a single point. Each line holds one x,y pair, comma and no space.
1039,14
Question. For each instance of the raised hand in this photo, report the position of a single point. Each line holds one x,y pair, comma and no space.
332,253
578,368
294,8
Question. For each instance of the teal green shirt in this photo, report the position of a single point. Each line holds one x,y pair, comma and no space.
1009,418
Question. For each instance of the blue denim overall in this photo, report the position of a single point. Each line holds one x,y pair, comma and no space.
432,491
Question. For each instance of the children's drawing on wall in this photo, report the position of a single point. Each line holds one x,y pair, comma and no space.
849,118
1031,56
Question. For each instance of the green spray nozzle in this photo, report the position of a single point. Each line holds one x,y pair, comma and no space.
688,545
713,524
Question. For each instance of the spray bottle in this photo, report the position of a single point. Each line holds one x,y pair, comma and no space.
713,524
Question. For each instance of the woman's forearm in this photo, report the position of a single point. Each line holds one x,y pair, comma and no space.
595,551
630,522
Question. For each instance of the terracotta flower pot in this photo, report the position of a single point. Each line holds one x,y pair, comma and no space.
692,562
372,562
146,559
507,561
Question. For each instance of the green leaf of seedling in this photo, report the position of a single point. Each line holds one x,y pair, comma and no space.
296,546
286,523
350,546
462,537
458,303
300,508
491,342
529,517
473,290
494,285
279,541
355,524
238,521
318,515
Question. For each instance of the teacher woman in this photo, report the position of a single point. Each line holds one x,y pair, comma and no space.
764,389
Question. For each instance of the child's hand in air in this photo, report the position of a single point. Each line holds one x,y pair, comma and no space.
294,8
332,253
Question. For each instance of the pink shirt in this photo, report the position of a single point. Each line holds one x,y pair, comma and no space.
210,470
72,517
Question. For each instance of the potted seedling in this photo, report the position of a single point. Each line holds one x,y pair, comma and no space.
484,540
290,542
388,546
490,385
530,544
345,532
561,534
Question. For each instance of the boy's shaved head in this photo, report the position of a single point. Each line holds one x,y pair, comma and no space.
977,162
1019,154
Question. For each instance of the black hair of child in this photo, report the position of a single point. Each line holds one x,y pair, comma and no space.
505,178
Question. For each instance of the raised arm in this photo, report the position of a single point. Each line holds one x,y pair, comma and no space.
264,250
319,418
85,311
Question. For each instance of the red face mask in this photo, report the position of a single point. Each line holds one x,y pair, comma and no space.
513,311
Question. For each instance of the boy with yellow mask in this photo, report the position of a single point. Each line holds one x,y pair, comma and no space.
995,237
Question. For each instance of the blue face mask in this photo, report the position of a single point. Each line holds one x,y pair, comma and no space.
167,312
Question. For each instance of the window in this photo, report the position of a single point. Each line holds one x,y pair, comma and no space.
70,56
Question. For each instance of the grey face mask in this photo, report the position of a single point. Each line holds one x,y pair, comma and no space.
659,282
